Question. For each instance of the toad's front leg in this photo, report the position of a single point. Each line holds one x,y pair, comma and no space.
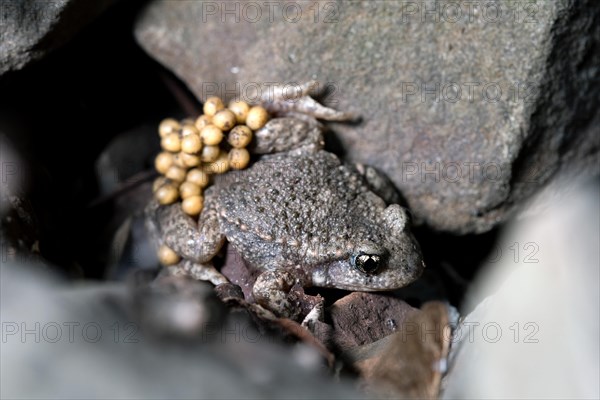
197,243
281,291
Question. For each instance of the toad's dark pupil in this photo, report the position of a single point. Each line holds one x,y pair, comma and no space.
367,264
370,265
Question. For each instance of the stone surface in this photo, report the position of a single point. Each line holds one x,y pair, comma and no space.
410,363
30,29
86,342
362,318
469,107
523,341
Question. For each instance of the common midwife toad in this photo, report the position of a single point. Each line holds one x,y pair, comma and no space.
299,215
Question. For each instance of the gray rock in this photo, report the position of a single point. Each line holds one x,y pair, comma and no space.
523,340
82,342
12,173
32,28
118,166
514,101
363,318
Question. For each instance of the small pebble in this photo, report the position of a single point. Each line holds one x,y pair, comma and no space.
167,256
239,158
192,205
240,136
212,106
167,126
257,117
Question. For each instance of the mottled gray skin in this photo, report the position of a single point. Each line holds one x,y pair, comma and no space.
312,211
299,215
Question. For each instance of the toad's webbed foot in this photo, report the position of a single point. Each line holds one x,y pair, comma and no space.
316,314
294,127
281,291
295,100
272,289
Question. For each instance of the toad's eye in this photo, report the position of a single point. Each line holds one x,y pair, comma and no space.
366,263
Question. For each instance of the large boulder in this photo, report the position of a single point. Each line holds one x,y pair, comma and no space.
520,339
117,341
32,28
469,107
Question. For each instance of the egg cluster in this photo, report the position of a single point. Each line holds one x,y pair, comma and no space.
195,149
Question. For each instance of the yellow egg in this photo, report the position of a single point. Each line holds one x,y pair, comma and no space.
178,160
212,106
158,182
163,161
239,158
166,256
224,120
198,177
220,165
191,143
257,117
176,174
202,121
240,136
189,129
240,110
209,153
193,205
187,189
171,142
211,135
167,194
190,160
167,126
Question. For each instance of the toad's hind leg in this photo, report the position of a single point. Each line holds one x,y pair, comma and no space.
198,271
288,100
271,290
380,184
281,291
198,242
